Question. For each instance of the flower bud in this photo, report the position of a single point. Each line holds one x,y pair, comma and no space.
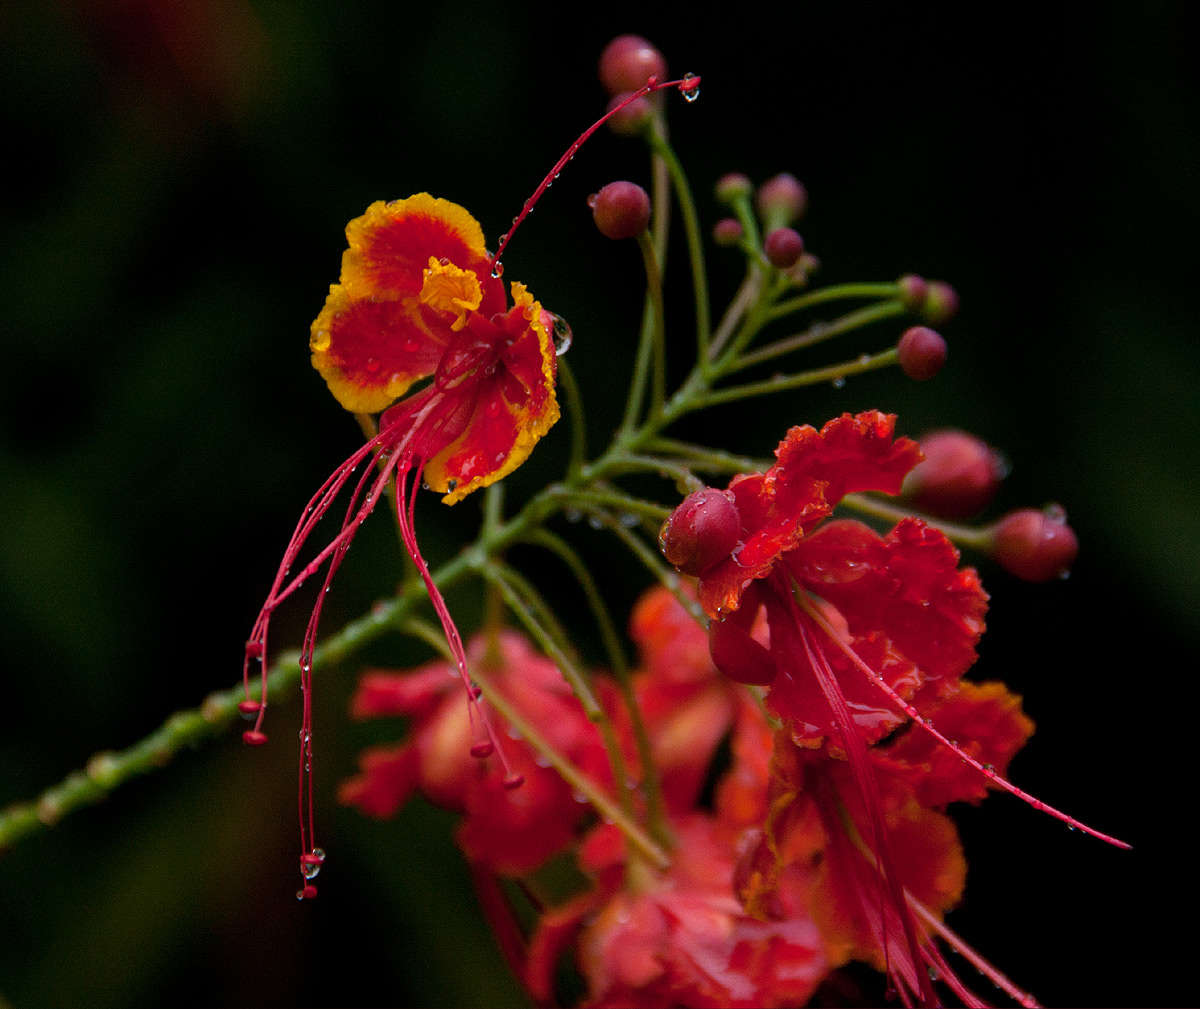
620,209
704,529
783,248
727,231
733,186
632,119
628,61
922,353
941,302
959,476
781,200
1034,545
912,292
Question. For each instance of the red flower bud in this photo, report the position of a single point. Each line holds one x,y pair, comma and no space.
781,200
620,209
704,529
628,61
727,231
922,353
1034,545
783,248
912,291
941,302
959,476
632,119
733,186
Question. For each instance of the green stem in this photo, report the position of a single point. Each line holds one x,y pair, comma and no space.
835,292
819,332
658,385
967,536
784,382
513,586
691,227
623,502
709,459
620,668
574,404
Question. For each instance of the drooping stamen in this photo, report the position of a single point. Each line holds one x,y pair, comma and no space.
689,87
908,973
405,513
927,726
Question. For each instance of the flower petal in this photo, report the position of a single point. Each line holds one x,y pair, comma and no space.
511,405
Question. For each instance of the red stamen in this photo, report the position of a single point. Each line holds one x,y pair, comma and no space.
689,87
927,726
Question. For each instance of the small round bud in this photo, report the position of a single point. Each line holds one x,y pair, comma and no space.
922,353
1034,545
959,476
733,186
781,200
727,231
704,529
941,302
620,209
912,291
632,119
628,61
783,248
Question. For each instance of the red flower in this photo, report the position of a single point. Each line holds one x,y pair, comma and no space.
417,298
506,830
680,938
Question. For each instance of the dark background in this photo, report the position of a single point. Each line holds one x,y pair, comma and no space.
180,175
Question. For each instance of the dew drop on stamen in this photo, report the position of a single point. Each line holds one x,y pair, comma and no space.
689,90
596,522
497,270
839,382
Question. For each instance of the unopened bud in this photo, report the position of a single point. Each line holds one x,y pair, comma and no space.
912,292
728,231
941,302
632,119
628,61
922,353
783,248
781,200
959,476
1034,545
703,530
733,187
620,209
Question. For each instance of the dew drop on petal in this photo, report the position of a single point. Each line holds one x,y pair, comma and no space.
497,270
562,335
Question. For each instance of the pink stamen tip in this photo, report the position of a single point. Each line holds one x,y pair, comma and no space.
689,84
249,707
476,692
481,750
514,781
254,649
312,859
308,893
252,737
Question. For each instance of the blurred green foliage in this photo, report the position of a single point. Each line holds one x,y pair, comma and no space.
180,175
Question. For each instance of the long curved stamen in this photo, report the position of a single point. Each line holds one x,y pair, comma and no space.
860,766
927,726
687,85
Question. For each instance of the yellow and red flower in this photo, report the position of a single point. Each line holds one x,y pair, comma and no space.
418,298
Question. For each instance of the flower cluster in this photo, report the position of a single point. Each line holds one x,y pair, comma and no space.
762,799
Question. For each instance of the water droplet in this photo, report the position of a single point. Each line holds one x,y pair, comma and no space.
579,797
562,335
839,382
451,485
497,270
573,515
591,200
1064,575
628,520
689,90
1055,512
595,521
